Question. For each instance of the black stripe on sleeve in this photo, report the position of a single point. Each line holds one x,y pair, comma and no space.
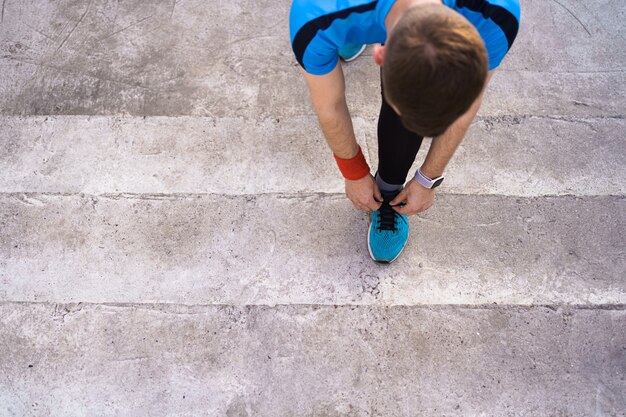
305,35
501,16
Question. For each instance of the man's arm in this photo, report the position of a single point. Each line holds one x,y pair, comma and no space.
442,148
329,100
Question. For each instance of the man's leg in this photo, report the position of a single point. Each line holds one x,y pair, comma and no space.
397,149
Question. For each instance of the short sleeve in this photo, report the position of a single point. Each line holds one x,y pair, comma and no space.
316,55
314,52
318,61
497,47
500,30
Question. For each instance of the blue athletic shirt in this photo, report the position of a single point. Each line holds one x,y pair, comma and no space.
320,27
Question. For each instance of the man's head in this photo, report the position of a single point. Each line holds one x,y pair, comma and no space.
434,67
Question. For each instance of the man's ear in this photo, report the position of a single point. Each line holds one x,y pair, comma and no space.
379,54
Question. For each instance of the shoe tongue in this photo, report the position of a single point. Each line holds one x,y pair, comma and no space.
387,199
388,196
387,217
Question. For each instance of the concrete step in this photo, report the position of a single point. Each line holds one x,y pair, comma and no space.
161,57
523,156
207,263
284,249
132,360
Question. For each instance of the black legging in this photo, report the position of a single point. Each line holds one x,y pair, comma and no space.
397,146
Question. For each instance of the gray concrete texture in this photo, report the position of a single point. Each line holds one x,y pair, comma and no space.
130,360
246,250
162,57
174,239
531,156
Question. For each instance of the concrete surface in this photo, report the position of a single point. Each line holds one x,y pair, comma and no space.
246,250
130,360
164,57
522,156
174,240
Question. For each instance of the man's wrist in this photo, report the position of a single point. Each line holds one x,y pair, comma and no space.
430,172
348,152
353,168
426,181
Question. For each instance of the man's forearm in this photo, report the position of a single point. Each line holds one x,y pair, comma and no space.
329,101
338,130
443,147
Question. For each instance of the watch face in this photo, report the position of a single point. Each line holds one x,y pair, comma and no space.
438,182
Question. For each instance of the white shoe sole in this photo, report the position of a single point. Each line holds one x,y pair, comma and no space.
369,247
356,55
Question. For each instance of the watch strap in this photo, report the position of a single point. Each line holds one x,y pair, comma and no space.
427,182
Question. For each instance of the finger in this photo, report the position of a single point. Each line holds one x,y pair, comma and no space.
406,210
399,198
374,205
377,195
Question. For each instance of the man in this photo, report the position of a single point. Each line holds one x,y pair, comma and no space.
436,59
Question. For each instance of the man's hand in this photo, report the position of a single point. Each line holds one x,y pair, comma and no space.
364,194
416,198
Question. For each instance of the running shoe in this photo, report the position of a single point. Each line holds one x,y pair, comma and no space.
388,232
351,51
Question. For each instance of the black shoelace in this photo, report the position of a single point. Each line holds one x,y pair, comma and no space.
387,217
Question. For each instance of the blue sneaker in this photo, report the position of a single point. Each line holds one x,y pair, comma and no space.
351,51
388,233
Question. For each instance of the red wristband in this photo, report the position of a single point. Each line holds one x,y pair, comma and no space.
354,168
